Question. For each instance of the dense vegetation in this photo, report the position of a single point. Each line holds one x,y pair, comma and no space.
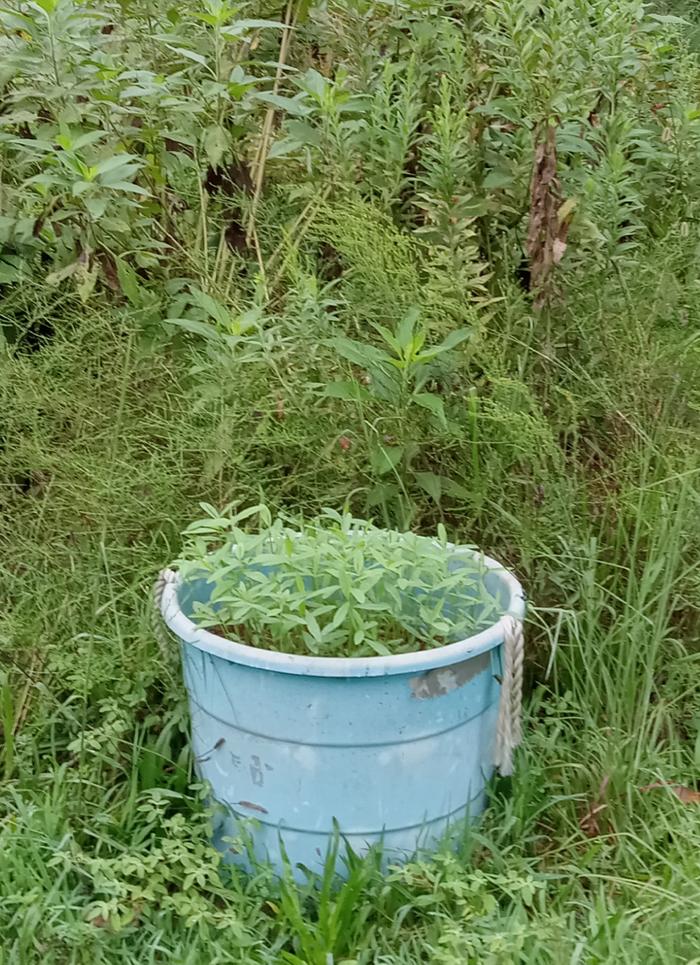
333,586
215,220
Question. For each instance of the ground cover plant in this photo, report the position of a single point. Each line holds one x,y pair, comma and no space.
229,235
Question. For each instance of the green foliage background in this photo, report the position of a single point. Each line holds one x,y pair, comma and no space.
169,337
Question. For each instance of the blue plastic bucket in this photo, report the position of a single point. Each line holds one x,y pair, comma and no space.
395,750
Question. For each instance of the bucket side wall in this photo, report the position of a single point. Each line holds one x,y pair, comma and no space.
381,755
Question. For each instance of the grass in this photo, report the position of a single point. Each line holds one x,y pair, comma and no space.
105,833
563,442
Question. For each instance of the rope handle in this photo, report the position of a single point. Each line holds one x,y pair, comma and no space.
160,631
509,727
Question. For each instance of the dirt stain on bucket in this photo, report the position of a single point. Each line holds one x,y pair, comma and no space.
442,680
251,806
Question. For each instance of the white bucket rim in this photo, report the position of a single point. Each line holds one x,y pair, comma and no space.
418,661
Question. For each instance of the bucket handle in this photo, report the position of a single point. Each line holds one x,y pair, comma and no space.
164,578
509,727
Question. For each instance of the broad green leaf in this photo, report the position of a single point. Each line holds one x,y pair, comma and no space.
129,187
668,18
213,308
340,615
350,391
498,179
305,133
359,353
385,458
499,107
33,146
179,137
196,328
391,340
239,28
573,144
7,229
427,400
208,18
315,83
258,510
129,283
404,333
12,269
452,341
189,54
129,161
91,137
431,483
260,24
216,143
302,8
284,147
379,648
86,281
46,6
247,320
95,206
119,175
295,106
455,489
44,180
14,19
56,277
314,628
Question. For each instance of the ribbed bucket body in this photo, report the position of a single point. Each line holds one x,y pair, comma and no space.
392,750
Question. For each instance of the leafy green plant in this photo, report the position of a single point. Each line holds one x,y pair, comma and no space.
172,859
570,448
336,928
448,195
324,122
391,130
109,143
336,586
201,314
396,375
